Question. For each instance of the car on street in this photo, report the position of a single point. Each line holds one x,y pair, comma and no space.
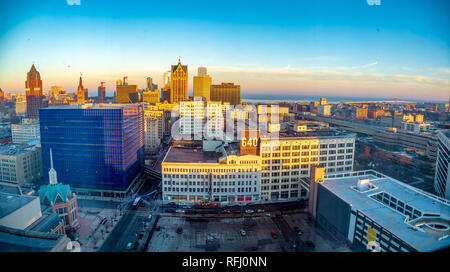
268,214
260,210
157,228
298,230
310,244
179,230
179,211
132,246
172,204
226,211
249,211
149,218
274,235
243,233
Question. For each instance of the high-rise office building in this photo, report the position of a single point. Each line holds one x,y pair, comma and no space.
33,91
202,84
150,85
2,97
97,147
101,93
154,125
166,80
226,93
178,83
126,93
442,174
81,93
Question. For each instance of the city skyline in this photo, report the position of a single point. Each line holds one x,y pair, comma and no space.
325,48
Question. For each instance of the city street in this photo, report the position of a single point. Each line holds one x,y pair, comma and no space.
132,222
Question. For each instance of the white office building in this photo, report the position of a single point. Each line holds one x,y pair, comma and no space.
28,130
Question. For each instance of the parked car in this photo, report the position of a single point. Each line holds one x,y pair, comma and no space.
243,233
179,230
157,228
274,235
172,204
149,218
298,230
260,210
226,211
268,214
249,211
179,211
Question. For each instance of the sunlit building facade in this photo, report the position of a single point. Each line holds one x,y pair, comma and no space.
178,83
33,91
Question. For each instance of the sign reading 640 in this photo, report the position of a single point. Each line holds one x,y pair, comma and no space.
251,142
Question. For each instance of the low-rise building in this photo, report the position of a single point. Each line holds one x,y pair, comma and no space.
369,208
442,174
20,164
210,173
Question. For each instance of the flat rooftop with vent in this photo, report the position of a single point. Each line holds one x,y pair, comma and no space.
405,218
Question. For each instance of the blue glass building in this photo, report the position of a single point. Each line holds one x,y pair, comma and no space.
94,146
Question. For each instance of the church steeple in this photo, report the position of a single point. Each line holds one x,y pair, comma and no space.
80,85
53,179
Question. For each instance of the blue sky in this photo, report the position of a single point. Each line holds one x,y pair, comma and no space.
336,48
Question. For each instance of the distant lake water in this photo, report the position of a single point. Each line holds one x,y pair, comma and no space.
331,99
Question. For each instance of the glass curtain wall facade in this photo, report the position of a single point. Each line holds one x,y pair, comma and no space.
97,147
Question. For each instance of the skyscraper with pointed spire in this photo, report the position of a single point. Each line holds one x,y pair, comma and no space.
81,93
178,83
33,91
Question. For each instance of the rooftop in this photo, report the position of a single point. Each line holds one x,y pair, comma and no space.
91,106
321,134
191,155
14,240
412,229
12,202
47,222
11,149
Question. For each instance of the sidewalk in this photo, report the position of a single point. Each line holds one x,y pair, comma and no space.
92,233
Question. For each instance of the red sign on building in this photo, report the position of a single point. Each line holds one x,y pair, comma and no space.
250,142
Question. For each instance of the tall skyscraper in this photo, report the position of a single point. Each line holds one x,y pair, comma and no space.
81,93
226,93
166,80
179,83
101,148
150,85
101,93
202,84
33,91
2,99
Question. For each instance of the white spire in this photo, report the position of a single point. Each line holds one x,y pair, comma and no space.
52,173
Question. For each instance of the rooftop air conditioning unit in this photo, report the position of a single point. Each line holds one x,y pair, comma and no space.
363,184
